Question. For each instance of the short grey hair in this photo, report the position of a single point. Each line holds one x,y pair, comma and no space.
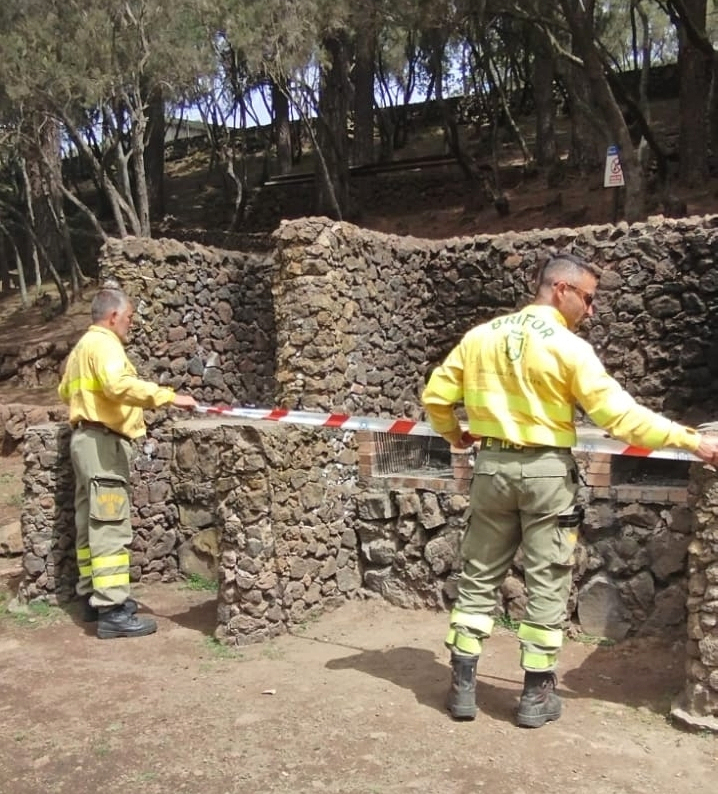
565,266
106,301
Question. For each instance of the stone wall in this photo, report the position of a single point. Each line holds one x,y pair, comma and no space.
15,418
350,319
204,317
209,486
362,318
698,704
282,499
48,515
32,365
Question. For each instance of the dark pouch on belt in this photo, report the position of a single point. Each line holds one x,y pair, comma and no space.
572,519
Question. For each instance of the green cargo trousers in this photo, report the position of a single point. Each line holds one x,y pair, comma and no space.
101,463
521,498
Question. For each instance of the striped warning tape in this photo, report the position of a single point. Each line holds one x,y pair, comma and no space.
590,439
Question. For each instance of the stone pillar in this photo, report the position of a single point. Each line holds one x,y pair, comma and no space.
50,570
698,703
48,516
282,500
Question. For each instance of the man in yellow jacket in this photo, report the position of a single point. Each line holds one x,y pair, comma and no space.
106,401
520,378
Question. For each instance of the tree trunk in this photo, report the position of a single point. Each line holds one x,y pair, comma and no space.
282,129
545,150
43,171
713,114
437,44
588,138
365,45
694,69
140,194
581,30
21,283
5,280
332,138
154,154
32,253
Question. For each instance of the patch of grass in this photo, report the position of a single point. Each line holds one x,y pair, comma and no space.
589,639
197,582
35,615
11,490
507,622
220,651
271,650
308,619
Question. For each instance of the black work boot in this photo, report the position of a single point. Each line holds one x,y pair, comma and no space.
90,614
539,702
461,701
118,622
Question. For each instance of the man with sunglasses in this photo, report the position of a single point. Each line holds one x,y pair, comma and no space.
520,378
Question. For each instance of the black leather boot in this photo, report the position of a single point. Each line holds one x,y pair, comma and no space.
539,702
117,622
461,701
90,614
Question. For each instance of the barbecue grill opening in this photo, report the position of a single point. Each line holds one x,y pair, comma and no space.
397,454
627,470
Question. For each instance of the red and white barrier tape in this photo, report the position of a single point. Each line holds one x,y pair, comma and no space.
590,439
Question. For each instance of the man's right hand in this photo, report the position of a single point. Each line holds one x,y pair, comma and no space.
184,401
708,448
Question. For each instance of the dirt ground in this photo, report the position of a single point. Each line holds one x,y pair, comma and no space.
351,703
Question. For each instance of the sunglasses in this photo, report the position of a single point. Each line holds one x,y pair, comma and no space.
587,297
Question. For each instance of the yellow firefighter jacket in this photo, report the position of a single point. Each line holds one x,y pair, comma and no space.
101,385
520,377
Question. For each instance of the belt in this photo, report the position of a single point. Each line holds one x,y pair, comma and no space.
83,424
501,445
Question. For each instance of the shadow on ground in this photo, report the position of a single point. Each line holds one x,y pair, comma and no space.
638,675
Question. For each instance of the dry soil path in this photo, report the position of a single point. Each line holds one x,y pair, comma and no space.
352,703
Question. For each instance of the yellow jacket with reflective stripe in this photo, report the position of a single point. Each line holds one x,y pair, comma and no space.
520,377
101,385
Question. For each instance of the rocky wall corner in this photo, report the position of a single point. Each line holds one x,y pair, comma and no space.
282,499
697,706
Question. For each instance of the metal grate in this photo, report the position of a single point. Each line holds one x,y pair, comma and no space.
397,454
628,470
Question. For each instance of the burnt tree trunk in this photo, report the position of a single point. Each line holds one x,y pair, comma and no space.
154,154
545,150
694,70
332,137
582,32
365,46
282,130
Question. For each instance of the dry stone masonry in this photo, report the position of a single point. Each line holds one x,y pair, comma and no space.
343,319
283,500
204,318
698,704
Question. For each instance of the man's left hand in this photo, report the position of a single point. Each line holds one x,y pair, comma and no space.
466,440
184,401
